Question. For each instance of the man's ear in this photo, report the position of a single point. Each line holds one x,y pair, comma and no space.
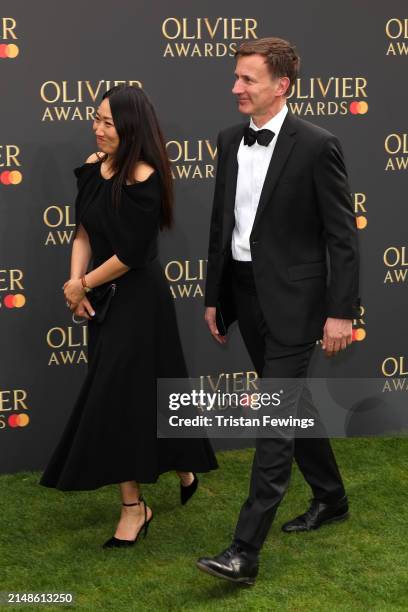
283,86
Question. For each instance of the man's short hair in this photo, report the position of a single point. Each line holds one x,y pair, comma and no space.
281,57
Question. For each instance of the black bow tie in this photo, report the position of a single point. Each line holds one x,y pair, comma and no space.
262,137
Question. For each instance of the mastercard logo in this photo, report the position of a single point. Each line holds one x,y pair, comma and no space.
358,108
10,177
358,334
9,51
18,420
14,301
361,222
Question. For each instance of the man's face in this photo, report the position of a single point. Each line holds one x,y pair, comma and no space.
254,87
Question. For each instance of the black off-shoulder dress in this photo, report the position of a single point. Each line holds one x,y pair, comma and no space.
111,435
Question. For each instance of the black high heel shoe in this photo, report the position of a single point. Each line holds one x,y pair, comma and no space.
117,543
187,492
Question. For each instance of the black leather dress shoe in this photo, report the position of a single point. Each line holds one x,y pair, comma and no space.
232,564
318,514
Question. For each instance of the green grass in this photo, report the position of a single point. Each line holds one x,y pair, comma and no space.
51,541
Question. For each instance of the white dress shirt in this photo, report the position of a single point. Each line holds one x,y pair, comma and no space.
253,163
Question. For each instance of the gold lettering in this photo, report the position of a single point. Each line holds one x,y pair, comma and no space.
337,87
385,368
4,401
400,275
165,30
50,239
59,331
65,236
395,143
53,85
187,274
184,290
47,115
57,337
392,365
59,217
94,93
212,151
361,84
62,112
402,163
198,291
208,50
234,28
238,381
168,50
389,165
394,256
8,26
89,113
323,89
16,402
387,386
15,278
394,28
19,396
177,265
213,30
359,201
77,114
252,380
179,149
67,357
12,151
65,92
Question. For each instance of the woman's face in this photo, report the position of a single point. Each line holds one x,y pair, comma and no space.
107,138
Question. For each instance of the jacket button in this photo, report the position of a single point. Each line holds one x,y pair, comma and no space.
254,242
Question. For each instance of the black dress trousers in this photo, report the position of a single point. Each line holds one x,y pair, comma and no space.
273,457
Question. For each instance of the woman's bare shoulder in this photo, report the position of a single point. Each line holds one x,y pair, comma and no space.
142,172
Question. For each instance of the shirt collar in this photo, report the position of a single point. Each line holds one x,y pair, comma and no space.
273,124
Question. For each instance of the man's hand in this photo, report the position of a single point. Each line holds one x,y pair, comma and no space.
84,309
336,335
210,313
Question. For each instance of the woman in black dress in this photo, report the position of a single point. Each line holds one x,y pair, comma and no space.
124,199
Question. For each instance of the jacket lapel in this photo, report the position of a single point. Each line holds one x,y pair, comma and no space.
231,176
283,148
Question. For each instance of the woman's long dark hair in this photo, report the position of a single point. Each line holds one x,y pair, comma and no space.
140,139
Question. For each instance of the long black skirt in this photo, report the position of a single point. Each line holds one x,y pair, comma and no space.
111,435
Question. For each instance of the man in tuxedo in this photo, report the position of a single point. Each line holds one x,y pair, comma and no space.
282,203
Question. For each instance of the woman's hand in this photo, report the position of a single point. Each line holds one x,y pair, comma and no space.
73,292
84,309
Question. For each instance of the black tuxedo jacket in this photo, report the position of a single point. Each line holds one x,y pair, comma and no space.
304,237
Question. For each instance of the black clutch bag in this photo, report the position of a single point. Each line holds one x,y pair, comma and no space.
225,315
226,310
100,299
220,322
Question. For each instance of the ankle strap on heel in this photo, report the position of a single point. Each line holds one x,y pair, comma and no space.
141,500
135,503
